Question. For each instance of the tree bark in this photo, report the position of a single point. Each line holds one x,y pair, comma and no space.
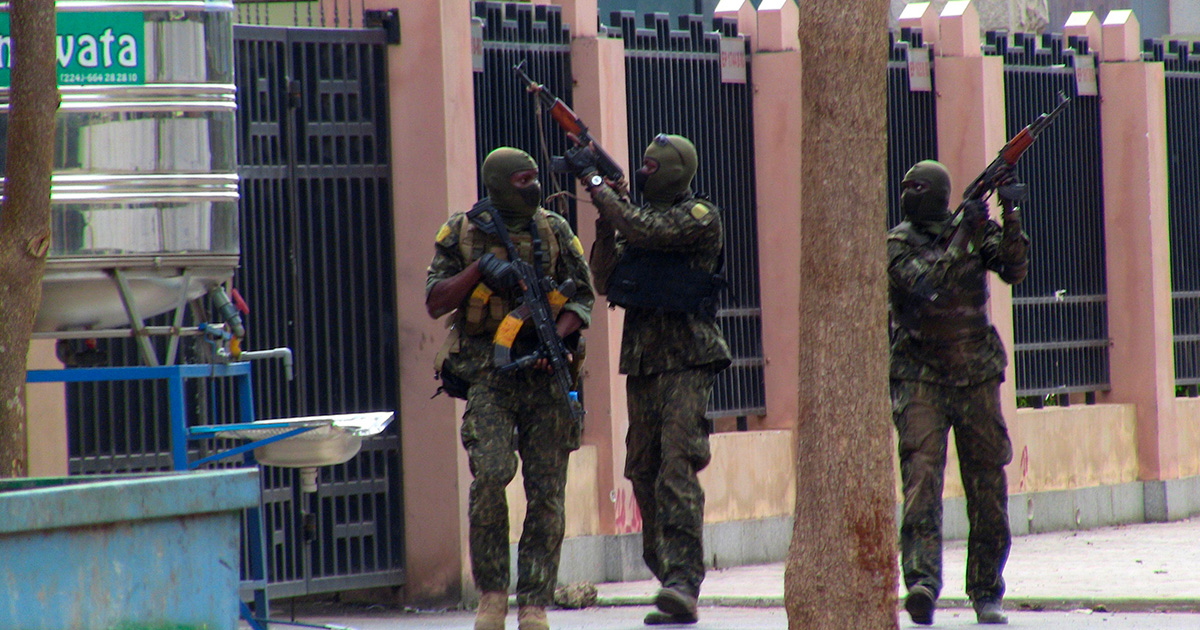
25,213
841,569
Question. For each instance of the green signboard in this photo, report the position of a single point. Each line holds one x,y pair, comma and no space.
104,48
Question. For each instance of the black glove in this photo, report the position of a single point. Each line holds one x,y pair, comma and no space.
581,161
498,274
1011,192
974,215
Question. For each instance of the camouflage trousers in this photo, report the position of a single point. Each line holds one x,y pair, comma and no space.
667,444
541,427
923,414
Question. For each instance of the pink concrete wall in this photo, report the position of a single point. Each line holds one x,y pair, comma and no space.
434,174
778,130
599,96
1133,118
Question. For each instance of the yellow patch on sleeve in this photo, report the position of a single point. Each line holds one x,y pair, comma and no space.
444,232
576,246
701,213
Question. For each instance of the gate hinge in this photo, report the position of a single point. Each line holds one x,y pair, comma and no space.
387,19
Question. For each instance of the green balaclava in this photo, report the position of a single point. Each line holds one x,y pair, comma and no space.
927,209
676,157
516,205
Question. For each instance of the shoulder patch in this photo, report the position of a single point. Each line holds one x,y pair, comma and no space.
576,246
444,233
702,213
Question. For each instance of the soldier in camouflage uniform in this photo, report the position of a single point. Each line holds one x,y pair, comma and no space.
946,368
470,275
661,259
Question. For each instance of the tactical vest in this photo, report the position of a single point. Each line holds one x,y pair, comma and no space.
952,312
670,281
485,309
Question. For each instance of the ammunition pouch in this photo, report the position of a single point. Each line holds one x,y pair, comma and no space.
452,385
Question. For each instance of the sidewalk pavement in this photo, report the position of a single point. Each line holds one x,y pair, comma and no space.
1143,567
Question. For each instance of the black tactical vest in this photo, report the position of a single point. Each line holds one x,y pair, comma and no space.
646,278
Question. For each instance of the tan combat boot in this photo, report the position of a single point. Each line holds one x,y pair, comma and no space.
532,618
492,609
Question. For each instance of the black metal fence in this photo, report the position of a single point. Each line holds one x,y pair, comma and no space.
504,110
1182,65
674,85
1060,310
318,274
912,119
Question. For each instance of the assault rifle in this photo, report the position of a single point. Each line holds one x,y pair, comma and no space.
1001,168
577,132
541,304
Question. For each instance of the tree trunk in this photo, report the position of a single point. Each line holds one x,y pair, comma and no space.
25,213
841,568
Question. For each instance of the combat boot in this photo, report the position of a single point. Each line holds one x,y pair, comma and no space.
493,607
532,618
989,611
675,606
920,604
659,618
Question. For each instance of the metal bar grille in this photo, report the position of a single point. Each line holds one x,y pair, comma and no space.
673,82
504,111
912,121
1060,311
317,272
1182,65
316,13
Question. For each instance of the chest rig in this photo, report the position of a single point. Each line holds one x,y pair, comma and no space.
953,312
485,309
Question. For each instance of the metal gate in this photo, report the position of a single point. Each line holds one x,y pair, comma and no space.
1182,65
912,119
1060,316
318,274
673,82
317,270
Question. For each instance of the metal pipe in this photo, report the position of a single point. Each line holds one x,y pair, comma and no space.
274,353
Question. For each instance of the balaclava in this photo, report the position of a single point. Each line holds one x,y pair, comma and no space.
516,205
929,209
676,157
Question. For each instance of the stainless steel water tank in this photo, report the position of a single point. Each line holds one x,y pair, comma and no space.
145,185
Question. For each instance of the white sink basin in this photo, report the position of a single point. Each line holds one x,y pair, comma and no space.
333,439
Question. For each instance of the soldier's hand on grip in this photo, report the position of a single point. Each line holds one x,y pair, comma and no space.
974,215
498,274
581,161
1011,192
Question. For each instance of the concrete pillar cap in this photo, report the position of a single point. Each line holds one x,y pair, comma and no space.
921,16
959,30
1085,24
778,25
1122,35
743,12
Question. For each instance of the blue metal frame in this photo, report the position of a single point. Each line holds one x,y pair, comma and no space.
181,433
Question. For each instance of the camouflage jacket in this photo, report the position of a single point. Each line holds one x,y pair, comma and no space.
656,341
938,303
471,348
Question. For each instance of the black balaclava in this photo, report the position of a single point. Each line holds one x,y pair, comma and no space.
516,205
676,158
927,210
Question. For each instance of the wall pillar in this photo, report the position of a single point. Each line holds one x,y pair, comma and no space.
433,173
598,66
1133,116
46,415
970,127
777,140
